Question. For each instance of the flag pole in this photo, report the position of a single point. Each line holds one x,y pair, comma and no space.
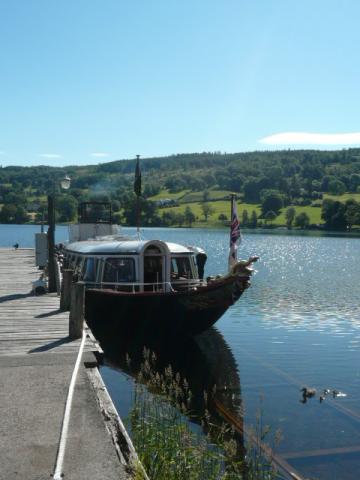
137,190
235,234
138,217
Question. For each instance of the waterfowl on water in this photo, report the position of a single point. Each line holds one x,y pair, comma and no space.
337,393
308,392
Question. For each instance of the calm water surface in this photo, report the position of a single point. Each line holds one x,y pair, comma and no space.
298,324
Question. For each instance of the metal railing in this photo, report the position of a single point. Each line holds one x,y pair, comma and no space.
134,287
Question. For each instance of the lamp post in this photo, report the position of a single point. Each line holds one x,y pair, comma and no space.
65,184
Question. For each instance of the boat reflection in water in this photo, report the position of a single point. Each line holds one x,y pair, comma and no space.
205,361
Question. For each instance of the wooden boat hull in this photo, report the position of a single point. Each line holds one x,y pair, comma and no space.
189,312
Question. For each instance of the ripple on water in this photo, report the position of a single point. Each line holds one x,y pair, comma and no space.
307,291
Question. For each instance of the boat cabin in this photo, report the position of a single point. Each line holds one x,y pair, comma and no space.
135,265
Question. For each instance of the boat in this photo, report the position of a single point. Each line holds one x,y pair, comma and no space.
135,285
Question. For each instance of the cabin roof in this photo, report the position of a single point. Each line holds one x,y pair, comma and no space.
125,247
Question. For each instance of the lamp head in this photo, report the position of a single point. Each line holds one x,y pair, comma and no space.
65,182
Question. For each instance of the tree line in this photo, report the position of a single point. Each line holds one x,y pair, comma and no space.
275,180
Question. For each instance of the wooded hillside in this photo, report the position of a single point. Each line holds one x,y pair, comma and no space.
264,181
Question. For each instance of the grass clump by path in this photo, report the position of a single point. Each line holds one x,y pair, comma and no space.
170,448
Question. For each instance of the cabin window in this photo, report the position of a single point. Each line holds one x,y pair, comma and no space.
89,270
181,268
119,270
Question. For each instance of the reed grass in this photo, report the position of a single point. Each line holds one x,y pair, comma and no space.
171,448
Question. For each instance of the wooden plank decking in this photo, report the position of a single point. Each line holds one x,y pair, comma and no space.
36,363
29,323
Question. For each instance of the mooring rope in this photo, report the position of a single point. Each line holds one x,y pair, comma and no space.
58,474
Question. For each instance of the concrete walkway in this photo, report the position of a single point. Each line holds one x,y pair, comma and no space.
36,363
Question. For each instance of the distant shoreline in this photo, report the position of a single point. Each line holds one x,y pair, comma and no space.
252,231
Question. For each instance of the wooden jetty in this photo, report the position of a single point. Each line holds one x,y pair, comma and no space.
36,362
29,323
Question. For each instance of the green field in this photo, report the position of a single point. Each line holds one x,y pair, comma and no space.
166,194
344,197
187,196
194,200
314,214
199,196
223,207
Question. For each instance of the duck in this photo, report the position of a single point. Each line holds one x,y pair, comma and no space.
308,392
337,393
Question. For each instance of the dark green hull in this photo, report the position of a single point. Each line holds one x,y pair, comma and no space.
184,312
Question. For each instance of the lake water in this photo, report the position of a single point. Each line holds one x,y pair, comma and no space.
297,325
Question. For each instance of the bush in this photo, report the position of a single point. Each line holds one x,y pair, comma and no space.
302,220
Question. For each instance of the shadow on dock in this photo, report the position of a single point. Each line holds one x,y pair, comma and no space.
51,345
15,296
48,314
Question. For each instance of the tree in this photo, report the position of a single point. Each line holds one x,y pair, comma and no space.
333,213
354,182
352,214
189,216
15,199
148,212
13,214
253,187
179,219
151,189
302,220
336,187
21,215
207,210
290,215
172,218
270,216
206,195
7,214
66,207
175,183
245,218
168,218
253,220
294,186
271,200
222,217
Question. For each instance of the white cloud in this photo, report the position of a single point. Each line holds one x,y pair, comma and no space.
100,154
305,138
50,155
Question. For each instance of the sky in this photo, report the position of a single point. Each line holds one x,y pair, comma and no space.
91,81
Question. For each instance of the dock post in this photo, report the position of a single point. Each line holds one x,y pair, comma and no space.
65,294
57,277
77,309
